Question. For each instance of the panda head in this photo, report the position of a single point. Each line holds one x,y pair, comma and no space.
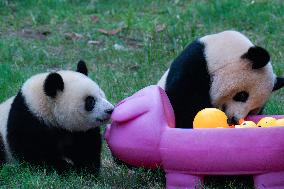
241,74
67,99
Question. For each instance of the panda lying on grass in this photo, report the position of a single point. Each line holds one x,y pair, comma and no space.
223,70
54,120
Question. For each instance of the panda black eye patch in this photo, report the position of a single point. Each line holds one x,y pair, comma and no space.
241,96
90,103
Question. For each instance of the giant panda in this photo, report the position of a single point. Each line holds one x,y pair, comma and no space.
54,121
223,70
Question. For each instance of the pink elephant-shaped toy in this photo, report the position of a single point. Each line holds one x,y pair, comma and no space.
143,133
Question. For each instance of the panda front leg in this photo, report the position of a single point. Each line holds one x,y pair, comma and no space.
90,166
65,164
60,165
85,159
82,150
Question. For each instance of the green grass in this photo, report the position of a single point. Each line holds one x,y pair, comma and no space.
25,50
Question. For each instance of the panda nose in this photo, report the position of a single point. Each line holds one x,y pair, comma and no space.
233,121
109,111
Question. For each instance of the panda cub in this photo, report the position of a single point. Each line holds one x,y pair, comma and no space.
54,120
223,70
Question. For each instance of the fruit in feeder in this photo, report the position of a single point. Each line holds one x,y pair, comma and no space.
246,124
210,118
267,122
279,122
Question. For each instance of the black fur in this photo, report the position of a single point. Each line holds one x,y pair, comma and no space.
34,142
279,83
82,68
241,96
2,151
52,84
258,56
90,103
188,84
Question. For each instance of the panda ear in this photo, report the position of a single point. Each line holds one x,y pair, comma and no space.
82,68
52,84
258,56
279,83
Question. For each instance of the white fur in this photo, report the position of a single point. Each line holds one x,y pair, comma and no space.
224,48
4,113
67,108
162,82
231,74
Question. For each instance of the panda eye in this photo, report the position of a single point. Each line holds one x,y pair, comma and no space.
241,96
90,103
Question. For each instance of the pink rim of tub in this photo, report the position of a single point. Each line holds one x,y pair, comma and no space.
143,134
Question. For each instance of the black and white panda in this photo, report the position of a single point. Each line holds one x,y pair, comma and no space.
54,120
223,70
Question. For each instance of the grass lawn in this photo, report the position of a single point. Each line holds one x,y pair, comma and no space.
127,46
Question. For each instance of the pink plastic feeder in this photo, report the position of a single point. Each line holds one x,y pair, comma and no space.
143,133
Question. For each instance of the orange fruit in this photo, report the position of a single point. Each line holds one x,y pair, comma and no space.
246,124
241,121
266,122
280,122
210,118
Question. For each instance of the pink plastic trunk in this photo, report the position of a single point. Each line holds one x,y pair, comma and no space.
143,133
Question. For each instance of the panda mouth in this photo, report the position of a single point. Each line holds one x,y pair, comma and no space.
102,120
